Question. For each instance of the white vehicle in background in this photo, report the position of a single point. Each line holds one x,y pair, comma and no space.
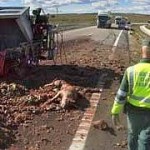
118,19
103,20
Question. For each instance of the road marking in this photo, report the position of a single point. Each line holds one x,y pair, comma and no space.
117,40
112,56
80,137
90,34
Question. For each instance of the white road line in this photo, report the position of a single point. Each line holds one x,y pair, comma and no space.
80,137
117,40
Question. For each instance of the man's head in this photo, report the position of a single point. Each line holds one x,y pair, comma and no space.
146,48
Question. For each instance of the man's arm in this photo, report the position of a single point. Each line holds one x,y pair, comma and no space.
119,101
121,96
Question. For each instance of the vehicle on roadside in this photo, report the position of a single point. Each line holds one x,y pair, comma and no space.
124,24
128,26
103,20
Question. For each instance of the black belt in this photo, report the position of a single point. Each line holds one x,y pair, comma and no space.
131,108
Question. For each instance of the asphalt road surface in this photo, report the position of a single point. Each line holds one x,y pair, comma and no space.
118,42
104,36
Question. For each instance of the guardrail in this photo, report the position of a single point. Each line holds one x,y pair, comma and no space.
145,30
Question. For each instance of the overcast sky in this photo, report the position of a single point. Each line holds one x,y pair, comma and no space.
84,6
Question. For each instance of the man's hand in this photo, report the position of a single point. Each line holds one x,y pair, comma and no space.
115,119
116,122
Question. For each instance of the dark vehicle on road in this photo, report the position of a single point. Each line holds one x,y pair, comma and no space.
124,24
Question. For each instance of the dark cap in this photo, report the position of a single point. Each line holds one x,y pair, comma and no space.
146,42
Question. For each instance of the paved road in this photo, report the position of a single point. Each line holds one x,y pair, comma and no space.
141,23
104,36
145,30
117,39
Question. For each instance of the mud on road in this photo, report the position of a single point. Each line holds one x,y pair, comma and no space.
87,62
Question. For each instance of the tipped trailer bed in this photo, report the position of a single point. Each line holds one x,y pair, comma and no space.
23,38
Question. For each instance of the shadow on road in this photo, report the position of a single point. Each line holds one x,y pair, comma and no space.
73,74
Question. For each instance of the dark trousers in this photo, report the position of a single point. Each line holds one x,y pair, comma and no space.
138,129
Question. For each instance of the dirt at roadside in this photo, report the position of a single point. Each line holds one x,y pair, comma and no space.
87,61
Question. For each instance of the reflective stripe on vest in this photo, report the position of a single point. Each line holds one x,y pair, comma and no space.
147,100
131,79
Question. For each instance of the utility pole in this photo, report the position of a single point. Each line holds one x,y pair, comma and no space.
57,10
108,3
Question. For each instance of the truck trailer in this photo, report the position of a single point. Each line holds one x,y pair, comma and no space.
24,39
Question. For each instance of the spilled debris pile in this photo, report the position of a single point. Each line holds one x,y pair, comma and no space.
100,124
18,104
12,90
52,127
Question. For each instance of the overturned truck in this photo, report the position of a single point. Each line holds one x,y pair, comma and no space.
24,39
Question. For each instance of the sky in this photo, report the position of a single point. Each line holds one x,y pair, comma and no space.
83,6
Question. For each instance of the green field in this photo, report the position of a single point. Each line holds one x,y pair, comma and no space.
74,21
71,21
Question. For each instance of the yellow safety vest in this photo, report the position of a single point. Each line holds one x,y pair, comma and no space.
139,85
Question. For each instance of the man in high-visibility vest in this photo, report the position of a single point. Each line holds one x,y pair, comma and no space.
134,97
